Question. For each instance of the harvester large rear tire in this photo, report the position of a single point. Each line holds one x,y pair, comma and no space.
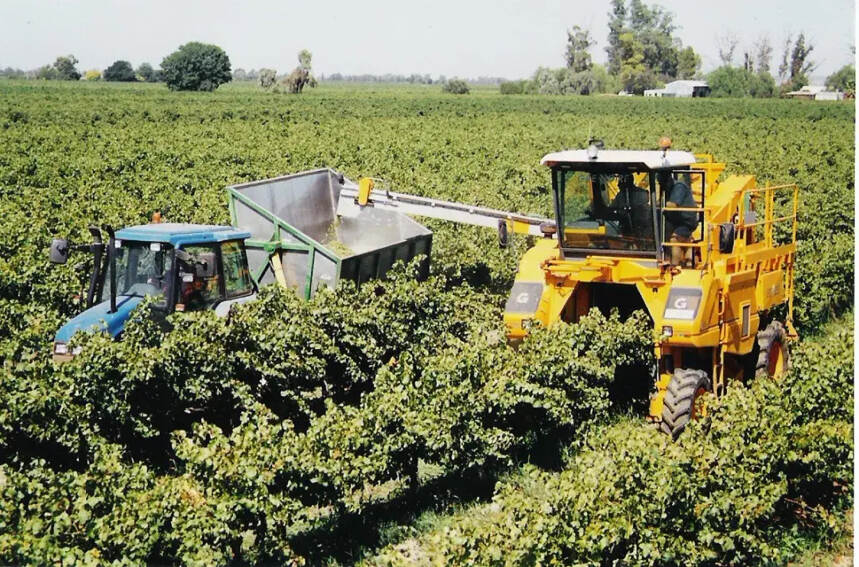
772,351
679,404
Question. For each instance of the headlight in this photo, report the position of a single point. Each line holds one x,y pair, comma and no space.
61,348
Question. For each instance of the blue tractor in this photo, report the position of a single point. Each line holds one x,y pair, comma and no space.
183,267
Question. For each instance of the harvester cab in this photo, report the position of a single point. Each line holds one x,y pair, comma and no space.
654,230
182,267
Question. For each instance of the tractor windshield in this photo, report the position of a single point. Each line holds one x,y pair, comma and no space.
605,210
141,269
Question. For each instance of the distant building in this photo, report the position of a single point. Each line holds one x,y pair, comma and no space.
681,89
815,92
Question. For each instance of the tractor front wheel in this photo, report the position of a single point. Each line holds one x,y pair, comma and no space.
772,351
682,401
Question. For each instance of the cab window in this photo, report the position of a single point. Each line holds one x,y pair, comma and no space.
606,210
237,280
141,270
199,278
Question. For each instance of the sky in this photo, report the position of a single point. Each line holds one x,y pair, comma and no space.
464,38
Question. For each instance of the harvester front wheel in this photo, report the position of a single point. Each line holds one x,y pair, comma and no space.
772,351
682,401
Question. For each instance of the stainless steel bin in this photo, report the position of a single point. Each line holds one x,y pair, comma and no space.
298,239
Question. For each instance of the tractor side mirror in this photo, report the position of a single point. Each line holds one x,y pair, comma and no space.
59,251
727,233
503,234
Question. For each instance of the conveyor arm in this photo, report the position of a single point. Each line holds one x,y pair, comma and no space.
354,197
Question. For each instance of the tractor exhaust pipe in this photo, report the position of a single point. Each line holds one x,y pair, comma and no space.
111,259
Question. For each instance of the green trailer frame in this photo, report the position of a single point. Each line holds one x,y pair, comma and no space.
311,198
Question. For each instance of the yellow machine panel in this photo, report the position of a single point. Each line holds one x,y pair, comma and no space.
770,290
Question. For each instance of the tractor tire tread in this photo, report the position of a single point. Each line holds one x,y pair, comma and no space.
679,399
775,331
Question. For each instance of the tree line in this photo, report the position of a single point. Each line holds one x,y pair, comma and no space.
193,67
754,76
643,52
65,69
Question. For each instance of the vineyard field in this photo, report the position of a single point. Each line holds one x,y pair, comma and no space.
293,432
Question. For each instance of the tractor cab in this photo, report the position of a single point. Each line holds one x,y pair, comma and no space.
183,267
627,203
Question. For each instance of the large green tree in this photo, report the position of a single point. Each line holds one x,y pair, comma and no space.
300,76
147,73
578,54
688,63
267,78
735,82
196,67
763,54
642,48
616,25
844,79
635,75
119,71
65,68
795,63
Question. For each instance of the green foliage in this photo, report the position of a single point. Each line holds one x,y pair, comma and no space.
642,49
688,63
767,460
635,74
120,71
147,73
304,59
65,68
455,86
237,440
267,78
734,82
578,55
800,65
196,67
566,81
250,431
762,85
514,87
300,77
844,79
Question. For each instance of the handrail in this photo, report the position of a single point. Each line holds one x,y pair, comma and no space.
770,220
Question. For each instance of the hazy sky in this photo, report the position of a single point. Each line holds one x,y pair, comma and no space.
507,38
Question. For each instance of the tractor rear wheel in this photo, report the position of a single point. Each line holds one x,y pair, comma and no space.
682,399
772,352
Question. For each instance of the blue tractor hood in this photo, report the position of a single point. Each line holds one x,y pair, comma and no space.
97,319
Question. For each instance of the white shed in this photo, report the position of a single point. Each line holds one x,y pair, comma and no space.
829,95
683,88
815,92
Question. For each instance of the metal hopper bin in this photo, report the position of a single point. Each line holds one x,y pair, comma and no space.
298,240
